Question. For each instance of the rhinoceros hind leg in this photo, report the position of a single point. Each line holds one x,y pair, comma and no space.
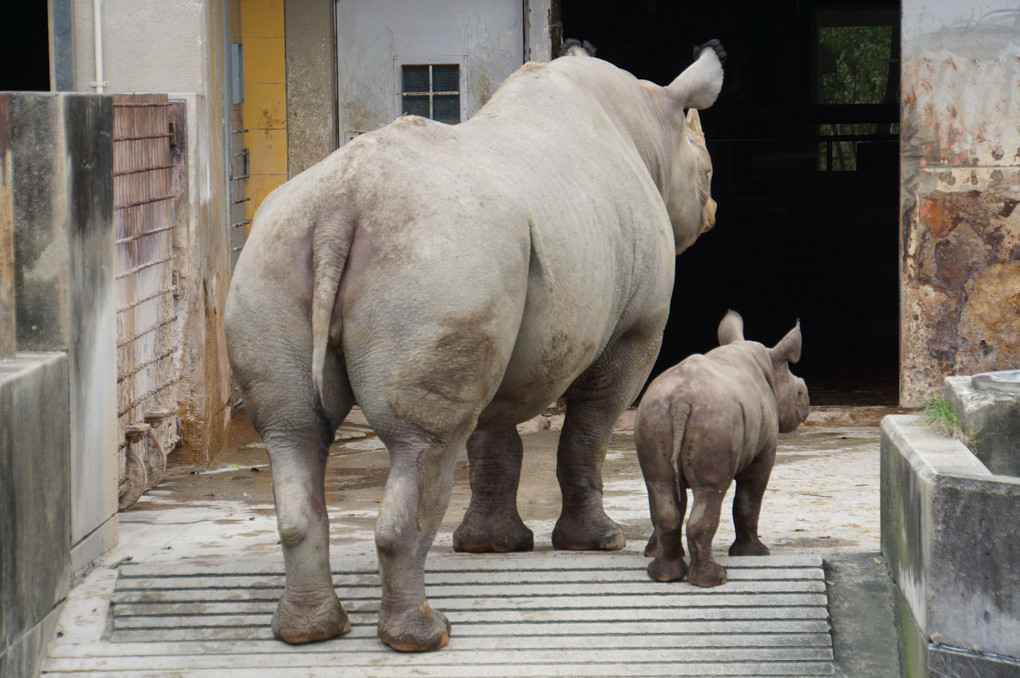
295,622
701,527
308,610
668,504
416,630
662,569
707,574
417,494
652,547
492,523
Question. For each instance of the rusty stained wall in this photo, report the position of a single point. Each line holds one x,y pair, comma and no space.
960,238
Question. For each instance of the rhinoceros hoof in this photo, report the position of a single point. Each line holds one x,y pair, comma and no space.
754,548
507,539
577,534
421,629
707,574
298,623
661,569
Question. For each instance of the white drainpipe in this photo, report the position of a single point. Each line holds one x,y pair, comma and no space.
97,24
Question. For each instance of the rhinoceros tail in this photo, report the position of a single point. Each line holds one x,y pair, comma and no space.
679,412
331,244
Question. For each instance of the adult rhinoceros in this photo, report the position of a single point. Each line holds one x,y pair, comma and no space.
456,280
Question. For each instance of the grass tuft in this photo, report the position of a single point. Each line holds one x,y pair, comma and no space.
940,415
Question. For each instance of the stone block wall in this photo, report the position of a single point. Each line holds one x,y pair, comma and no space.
58,404
960,173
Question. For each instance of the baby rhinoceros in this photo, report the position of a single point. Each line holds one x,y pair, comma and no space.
712,419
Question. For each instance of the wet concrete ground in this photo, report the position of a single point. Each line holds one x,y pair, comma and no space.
823,499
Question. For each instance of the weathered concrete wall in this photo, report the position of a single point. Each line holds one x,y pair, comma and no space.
538,30
144,43
960,237
310,47
311,58
58,410
178,48
203,265
949,534
62,211
372,33
35,511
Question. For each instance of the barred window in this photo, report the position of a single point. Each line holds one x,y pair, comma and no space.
431,91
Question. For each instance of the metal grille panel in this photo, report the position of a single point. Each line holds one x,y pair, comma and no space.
148,348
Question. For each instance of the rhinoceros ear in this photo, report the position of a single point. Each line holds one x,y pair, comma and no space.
700,83
788,349
731,328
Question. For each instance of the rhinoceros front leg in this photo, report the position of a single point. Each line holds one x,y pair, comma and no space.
583,524
492,523
747,498
595,402
308,610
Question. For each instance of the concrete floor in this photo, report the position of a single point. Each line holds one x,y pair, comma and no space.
823,499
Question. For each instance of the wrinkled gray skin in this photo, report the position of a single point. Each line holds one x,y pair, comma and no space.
712,419
454,279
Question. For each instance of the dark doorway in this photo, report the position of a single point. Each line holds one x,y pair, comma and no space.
805,146
24,48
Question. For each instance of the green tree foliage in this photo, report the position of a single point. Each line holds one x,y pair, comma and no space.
861,55
854,61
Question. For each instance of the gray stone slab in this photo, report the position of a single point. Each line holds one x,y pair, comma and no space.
35,525
862,607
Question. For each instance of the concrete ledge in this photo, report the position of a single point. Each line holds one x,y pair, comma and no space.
949,533
86,553
992,418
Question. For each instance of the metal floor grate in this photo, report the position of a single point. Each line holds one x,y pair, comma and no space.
537,614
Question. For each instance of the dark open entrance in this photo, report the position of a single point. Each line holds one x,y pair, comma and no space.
804,141
24,48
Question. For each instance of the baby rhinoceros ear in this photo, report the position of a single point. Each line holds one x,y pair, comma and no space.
788,349
731,328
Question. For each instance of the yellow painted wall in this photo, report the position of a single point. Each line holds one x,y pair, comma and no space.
264,112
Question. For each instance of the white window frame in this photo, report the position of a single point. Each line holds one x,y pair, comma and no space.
401,60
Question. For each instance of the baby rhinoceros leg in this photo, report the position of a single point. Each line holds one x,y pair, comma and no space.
701,527
667,503
747,499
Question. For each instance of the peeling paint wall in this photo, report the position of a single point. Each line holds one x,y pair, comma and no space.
960,171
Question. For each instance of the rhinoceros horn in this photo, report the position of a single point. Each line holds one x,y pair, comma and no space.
694,125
